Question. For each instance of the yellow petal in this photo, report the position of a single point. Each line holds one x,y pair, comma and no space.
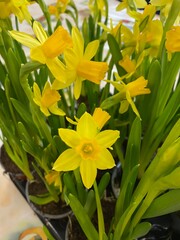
57,68
78,42
25,39
107,138
87,127
100,117
37,54
55,110
45,110
37,94
91,49
77,87
69,160
129,99
140,3
71,58
105,160
39,32
88,172
69,136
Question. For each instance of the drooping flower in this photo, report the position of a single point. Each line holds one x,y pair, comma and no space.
111,29
130,65
173,40
79,66
46,49
130,90
18,8
88,149
47,100
126,93
58,8
54,177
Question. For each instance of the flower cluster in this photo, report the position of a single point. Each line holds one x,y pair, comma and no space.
84,99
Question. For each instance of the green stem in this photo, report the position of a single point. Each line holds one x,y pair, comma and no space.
99,212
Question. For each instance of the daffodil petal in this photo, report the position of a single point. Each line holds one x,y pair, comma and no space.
105,160
91,49
129,99
71,58
69,160
36,54
107,138
88,172
140,3
69,136
78,42
25,39
39,32
87,127
77,87
57,111
37,93
45,110
57,69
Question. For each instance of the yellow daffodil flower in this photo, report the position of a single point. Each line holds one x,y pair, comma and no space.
88,149
128,91
54,177
147,40
46,49
125,5
58,8
79,66
18,8
130,65
164,6
146,15
111,29
173,40
47,101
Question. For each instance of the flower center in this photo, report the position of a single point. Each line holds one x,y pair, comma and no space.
87,148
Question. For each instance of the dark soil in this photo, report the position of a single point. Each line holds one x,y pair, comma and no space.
8,165
53,208
75,232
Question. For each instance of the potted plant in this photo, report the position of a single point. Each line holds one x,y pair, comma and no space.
92,95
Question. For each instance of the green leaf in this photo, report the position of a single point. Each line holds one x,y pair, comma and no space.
23,111
70,183
48,234
116,53
167,203
141,229
41,199
121,201
133,148
83,219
